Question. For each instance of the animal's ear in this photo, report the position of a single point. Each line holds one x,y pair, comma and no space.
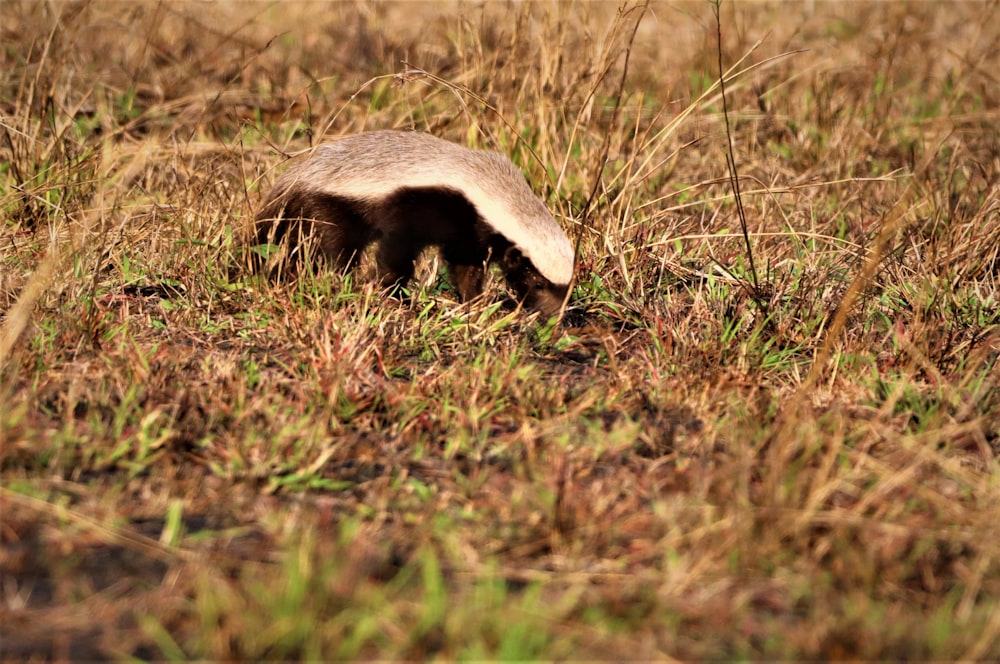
513,258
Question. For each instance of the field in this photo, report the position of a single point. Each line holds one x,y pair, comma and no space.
766,426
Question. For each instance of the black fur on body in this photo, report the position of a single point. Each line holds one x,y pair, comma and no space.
338,225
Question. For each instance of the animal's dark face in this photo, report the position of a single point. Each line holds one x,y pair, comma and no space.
547,299
532,288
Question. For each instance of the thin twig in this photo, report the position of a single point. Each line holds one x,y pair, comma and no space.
734,178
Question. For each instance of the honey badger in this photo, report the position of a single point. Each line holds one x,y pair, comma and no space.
408,191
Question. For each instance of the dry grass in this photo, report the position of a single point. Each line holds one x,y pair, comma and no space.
199,465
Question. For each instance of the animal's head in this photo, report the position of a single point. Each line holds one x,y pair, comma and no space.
534,290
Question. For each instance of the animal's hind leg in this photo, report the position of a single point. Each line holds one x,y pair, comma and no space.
342,242
313,224
341,231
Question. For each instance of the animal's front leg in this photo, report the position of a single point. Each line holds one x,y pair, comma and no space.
467,280
395,261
